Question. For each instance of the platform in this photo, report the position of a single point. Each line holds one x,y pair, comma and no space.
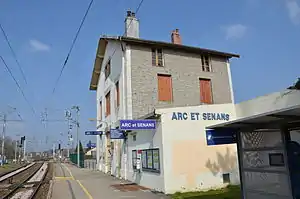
71,182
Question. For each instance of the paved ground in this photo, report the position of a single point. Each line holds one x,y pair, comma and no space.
74,183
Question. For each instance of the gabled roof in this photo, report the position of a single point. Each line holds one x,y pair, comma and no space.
135,41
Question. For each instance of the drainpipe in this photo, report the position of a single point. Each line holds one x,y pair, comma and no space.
125,108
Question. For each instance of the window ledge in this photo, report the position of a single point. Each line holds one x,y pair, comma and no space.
150,170
165,101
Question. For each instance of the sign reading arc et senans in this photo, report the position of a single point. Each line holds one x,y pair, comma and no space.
200,116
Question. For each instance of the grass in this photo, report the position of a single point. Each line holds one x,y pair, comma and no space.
230,192
8,167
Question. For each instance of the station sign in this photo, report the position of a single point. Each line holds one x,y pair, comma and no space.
93,133
200,116
219,137
116,134
91,145
137,124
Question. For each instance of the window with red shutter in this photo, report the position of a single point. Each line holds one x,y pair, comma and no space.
164,87
205,91
107,101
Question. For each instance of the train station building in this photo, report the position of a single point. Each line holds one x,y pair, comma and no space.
185,90
140,79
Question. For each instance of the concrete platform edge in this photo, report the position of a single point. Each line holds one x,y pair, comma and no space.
49,195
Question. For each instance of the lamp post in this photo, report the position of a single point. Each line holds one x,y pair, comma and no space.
5,120
77,109
16,146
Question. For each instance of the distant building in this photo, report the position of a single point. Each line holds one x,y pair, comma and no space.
134,77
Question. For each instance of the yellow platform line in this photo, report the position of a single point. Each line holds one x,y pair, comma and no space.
85,190
81,185
69,171
63,178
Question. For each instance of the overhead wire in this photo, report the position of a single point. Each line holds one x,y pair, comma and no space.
67,57
136,11
13,53
17,62
18,85
44,114
72,46
74,41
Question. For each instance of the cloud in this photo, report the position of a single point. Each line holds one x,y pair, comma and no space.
293,11
234,31
38,46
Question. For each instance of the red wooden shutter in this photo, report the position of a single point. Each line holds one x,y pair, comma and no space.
164,88
205,91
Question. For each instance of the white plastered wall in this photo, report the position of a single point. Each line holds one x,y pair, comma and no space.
189,164
147,139
105,86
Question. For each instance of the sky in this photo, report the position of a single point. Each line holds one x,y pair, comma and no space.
264,32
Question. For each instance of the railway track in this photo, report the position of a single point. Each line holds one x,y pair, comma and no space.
28,185
13,170
11,174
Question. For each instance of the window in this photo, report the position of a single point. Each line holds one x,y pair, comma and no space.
276,159
150,160
205,60
100,111
226,178
118,94
107,100
134,137
157,57
164,88
107,70
205,91
134,158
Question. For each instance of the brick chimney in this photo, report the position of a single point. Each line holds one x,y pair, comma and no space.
175,37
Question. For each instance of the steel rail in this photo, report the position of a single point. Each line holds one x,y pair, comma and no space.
39,184
20,185
5,173
15,173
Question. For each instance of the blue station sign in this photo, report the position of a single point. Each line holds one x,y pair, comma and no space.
218,137
116,134
93,133
91,145
137,124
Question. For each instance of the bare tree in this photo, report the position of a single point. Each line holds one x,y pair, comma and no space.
9,147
